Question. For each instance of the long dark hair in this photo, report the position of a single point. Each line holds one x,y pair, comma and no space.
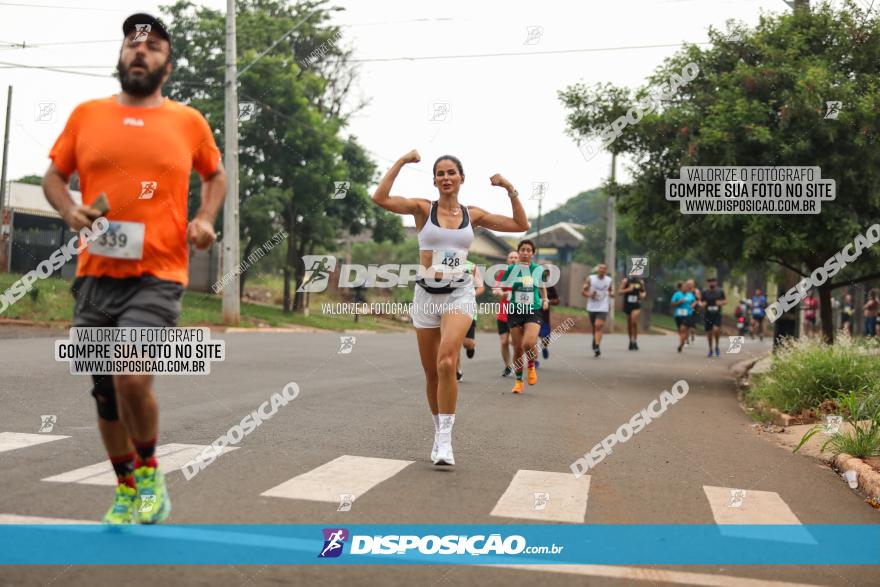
449,158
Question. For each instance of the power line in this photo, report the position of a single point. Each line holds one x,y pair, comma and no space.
26,45
56,69
421,58
61,6
384,22
525,53
14,65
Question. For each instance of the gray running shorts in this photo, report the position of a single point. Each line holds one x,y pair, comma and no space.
132,301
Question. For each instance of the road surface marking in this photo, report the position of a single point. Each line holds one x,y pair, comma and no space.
656,575
735,507
16,440
344,475
544,495
171,457
14,519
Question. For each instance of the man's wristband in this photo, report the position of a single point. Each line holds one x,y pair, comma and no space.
512,194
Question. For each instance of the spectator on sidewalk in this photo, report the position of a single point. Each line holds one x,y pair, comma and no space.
846,314
811,304
871,307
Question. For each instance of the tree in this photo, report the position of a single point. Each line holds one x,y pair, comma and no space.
30,180
760,99
291,144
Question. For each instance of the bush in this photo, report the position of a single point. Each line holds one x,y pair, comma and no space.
807,372
862,412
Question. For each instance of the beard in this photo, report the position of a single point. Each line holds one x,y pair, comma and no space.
139,85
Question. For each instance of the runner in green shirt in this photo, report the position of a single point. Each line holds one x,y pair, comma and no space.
527,299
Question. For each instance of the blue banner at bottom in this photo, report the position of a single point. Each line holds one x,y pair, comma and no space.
440,544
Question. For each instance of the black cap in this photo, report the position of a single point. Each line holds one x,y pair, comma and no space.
156,25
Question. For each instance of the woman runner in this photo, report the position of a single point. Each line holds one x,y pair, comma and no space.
443,300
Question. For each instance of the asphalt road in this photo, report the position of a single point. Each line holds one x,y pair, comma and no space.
370,404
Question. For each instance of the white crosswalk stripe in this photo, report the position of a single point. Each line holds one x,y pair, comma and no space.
739,507
545,495
15,440
171,457
16,519
630,574
345,475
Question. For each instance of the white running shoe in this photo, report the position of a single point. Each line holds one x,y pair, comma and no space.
434,450
444,449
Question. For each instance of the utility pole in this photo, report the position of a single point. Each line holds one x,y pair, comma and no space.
231,301
611,237
538,233
797,5
4,237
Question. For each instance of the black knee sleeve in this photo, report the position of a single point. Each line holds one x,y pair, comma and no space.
105,397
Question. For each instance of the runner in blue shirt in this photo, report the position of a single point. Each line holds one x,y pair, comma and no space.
683,309
759,304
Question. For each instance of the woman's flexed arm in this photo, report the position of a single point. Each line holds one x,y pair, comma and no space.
515,223
397,204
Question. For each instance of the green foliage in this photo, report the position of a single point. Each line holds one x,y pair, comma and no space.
862,438
55,305
52,303
757,100
579,209
807,372
30,179
291,151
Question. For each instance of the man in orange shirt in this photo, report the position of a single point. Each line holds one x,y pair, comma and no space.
138,148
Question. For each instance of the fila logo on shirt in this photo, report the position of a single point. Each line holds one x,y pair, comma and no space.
133,122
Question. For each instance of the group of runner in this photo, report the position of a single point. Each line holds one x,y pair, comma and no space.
119,144
137,137
689,303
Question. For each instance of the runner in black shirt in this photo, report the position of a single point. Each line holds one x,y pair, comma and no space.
713,300
633,292
544,333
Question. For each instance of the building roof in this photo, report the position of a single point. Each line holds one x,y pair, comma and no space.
25,198
561,234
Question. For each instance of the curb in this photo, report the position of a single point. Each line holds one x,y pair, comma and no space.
34,323
740,372
869,479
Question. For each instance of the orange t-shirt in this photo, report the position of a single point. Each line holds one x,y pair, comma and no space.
142,159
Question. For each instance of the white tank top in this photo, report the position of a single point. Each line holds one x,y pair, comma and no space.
449,246
599,286
433,237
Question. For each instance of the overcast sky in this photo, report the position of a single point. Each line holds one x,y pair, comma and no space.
503,112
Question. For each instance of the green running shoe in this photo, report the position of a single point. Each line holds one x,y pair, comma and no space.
153,504
123,508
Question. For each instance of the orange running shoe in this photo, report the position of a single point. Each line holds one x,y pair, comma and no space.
533,376
518,386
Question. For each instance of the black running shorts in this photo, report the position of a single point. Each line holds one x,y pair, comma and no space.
516,320
711,320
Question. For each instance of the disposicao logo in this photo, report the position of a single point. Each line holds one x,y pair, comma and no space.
334,540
